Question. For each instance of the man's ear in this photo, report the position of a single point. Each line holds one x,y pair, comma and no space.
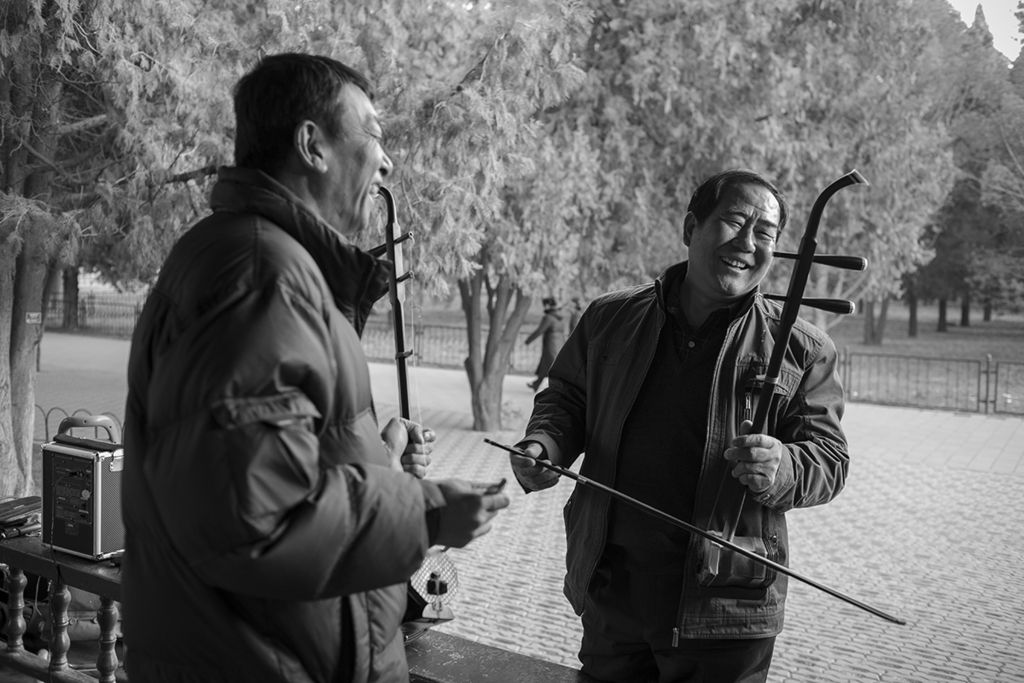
689,223
308,142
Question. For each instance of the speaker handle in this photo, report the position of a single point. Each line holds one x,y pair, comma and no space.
104,422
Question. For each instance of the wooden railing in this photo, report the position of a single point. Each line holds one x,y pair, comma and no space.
27,554
433,658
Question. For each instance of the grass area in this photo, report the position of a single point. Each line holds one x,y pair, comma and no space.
1002,337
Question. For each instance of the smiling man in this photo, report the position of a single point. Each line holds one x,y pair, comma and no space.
271,525
656,387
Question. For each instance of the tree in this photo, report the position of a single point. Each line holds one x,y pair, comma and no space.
87,147
973,237
35,107
133,115
468,85
802,91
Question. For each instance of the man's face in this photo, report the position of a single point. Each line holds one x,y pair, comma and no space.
356,165
731,250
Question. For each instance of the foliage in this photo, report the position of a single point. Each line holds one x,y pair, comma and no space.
976,236
540,148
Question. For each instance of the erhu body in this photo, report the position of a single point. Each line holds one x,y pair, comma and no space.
718,565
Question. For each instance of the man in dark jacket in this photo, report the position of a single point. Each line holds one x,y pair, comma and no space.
270,525
657,385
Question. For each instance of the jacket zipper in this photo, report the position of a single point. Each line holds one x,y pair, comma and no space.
726,342
636,392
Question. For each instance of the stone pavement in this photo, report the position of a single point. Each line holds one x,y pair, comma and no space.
928,528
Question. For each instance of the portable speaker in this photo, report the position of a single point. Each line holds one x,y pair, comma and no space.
82,491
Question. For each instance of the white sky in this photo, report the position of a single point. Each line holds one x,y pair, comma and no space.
1001,22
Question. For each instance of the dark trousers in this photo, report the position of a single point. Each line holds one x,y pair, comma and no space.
627,634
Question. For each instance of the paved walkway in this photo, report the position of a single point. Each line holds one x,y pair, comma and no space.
928,528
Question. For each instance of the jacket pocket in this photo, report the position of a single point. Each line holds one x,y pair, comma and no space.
272,453
286,410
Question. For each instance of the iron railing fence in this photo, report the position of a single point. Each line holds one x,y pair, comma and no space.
1007,388
108,315
969,385
434,345
942,383
982,386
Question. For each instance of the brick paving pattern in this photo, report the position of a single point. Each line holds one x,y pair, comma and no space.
928,528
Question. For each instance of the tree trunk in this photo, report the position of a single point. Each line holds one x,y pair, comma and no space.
26,333
488,362
869,321
486,403
986,312
943,325
8,450
40,236
883,317
70,298
912,310
874,326
965,310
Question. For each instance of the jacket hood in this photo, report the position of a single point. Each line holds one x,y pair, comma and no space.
356,278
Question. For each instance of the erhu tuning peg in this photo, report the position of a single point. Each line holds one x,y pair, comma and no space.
834,260
840,306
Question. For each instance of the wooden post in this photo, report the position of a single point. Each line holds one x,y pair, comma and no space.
16,583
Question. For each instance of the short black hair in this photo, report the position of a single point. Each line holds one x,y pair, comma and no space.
277,94
706,197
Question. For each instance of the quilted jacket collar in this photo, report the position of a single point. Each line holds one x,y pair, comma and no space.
356,278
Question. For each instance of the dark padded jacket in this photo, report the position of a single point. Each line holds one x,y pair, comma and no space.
268,537
593,384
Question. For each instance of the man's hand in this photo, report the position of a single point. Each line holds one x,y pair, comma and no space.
756,458
409,445
467,512
533,477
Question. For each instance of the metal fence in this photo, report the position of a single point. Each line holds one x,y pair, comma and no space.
97,314
445,346
984,386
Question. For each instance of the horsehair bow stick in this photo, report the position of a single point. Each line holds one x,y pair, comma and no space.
393,236
691,528
794,298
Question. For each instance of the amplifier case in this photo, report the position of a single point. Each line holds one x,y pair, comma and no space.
82,494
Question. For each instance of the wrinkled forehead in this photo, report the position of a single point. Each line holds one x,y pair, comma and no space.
356,110
750,199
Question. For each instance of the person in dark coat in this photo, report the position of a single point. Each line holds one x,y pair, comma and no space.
656,389
575,311
271,525
551,333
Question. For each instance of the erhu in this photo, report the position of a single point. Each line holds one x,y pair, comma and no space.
717,568
393,237
436,576
715,541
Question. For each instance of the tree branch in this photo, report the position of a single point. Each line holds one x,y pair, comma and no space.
83,124
195,174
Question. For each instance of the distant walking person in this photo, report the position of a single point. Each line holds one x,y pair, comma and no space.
575,311
550,328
